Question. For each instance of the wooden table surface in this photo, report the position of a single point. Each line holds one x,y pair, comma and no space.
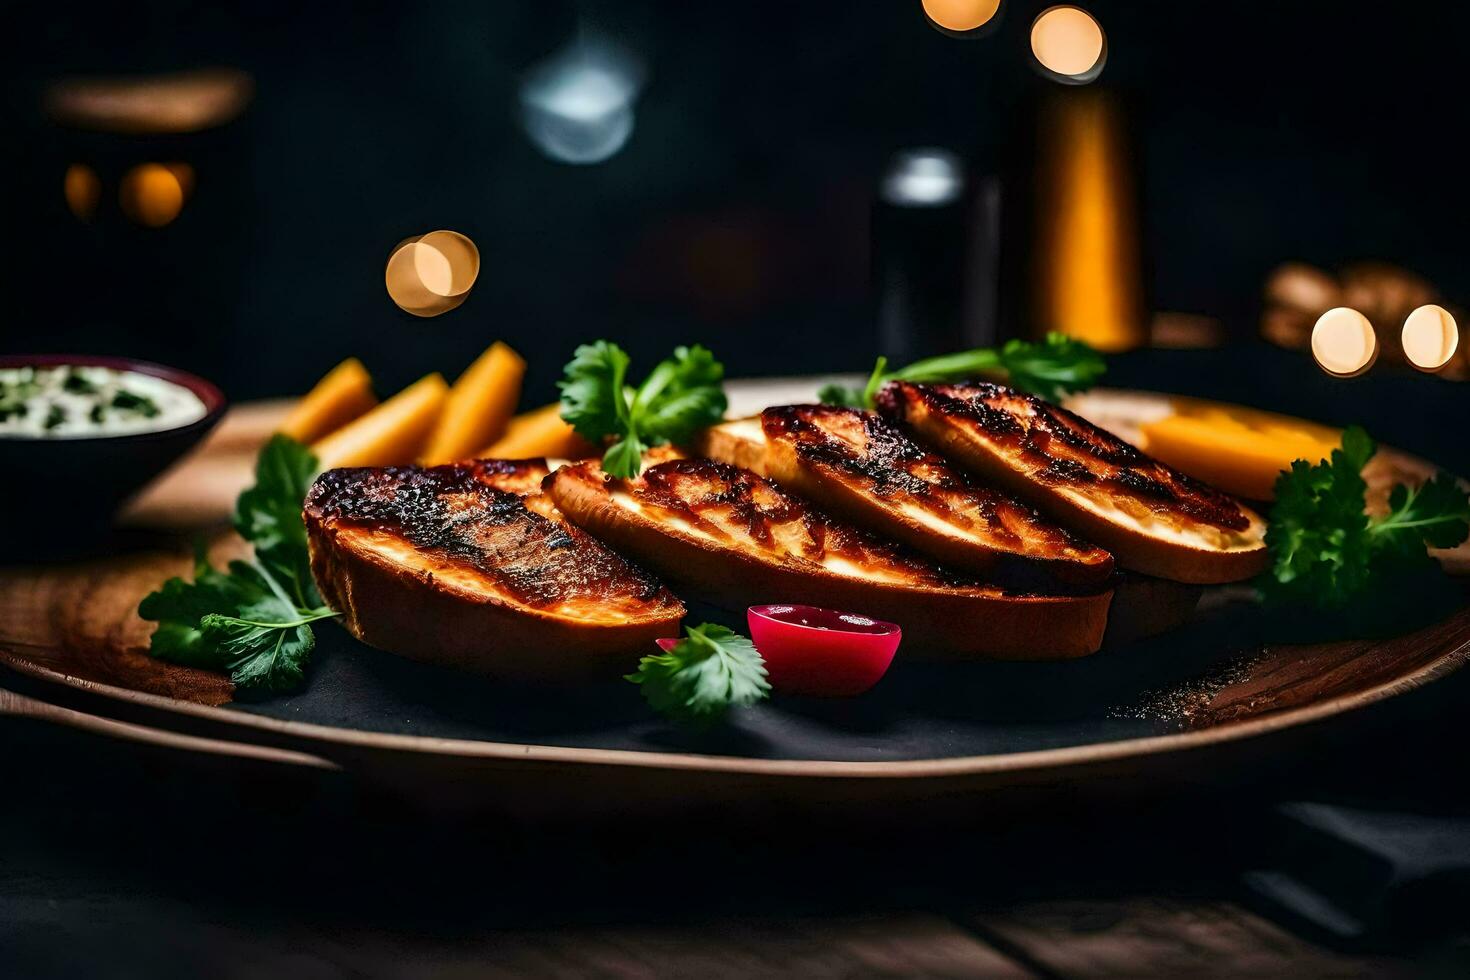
131,860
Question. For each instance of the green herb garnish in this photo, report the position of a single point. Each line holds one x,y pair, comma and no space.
1057,366
77,385
14,395
708,672
55,417
253,619
681,395
1329,554
127,401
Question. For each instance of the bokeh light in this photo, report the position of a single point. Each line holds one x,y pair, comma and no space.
432,274
961,16
924,177
577,106
83,190
1430,337
1068,43
152,194
184,174
1343,342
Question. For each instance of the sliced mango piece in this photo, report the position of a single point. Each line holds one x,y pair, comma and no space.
1240,450
538,433
480,404
394,432
345,393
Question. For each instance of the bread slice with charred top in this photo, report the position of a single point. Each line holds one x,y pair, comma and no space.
522,477
1153,518
438,564
862,467
736,539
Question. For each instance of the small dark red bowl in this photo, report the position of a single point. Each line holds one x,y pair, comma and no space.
821,652
58,495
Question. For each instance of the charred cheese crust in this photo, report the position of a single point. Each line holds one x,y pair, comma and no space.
737,539
436,564
1154,519
522,477
866,470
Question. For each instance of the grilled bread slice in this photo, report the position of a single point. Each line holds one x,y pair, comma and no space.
735,538
739,442
862,467
1154,519
436,564
522,477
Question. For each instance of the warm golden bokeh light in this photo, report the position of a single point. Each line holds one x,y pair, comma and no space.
961,15
1343,342
151,194
432,274
1087,280
184,174
175,102
1430,337
1068,41
83,190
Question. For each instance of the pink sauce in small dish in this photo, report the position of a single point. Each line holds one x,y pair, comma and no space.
822,652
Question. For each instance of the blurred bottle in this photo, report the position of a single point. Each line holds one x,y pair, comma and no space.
935,253
1073,253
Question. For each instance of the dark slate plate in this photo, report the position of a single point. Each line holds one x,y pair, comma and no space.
918,711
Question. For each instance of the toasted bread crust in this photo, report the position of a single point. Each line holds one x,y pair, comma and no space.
522,477
1152,518
739,442
861,466
736,539
434,564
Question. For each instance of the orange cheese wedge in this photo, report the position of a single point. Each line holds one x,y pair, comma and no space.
538,433
343,395
394,432
479,406
1240,450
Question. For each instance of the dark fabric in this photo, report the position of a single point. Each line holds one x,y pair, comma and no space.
919,710
1368,877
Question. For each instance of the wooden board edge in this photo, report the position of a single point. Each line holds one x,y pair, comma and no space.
16,705
334,743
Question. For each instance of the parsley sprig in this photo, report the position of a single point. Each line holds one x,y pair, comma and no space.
1057,366
705,674
1329,554
254,618
681,395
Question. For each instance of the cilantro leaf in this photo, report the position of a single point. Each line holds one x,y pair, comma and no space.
267,655
709,671
835,394
179,605
1436,514
593,396
253,618
269,516
624,458
682,394
1318,533
1056,367
1327,553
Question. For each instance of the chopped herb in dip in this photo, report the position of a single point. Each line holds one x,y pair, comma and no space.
78,401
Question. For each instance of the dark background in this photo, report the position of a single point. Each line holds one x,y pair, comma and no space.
737,215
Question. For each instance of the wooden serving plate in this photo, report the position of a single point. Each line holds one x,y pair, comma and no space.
73,651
